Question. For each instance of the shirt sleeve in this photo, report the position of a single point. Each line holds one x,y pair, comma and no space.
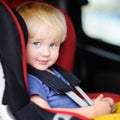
36,86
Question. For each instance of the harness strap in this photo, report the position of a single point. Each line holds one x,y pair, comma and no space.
72,89
76,98
84,95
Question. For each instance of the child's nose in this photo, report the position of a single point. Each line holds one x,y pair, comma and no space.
45,51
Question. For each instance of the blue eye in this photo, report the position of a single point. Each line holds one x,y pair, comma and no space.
36,44
53,45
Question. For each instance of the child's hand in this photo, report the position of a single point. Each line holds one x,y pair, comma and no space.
112,103
103,105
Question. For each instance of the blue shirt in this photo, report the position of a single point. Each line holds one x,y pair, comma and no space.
55,100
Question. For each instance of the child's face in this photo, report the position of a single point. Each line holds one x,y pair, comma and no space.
42,48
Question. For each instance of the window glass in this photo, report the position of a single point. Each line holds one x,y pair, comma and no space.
101,20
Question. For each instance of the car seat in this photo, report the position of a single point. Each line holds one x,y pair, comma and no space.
14,95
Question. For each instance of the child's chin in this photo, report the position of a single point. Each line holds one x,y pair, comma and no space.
41,68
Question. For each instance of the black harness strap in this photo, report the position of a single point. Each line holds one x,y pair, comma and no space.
72,89
53,81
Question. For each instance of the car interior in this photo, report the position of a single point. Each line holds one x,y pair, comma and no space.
93,60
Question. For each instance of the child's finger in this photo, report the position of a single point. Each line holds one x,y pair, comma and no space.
100,97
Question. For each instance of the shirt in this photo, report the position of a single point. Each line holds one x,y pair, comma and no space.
55,100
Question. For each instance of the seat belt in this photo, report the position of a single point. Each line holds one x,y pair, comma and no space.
76,96
71,89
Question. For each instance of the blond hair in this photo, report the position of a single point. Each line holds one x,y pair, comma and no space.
37,14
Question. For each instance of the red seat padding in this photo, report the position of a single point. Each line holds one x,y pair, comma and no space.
16,3
116,97
67,51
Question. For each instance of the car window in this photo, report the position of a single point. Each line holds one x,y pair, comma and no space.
101,20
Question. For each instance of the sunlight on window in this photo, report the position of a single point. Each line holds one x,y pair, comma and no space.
101,20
